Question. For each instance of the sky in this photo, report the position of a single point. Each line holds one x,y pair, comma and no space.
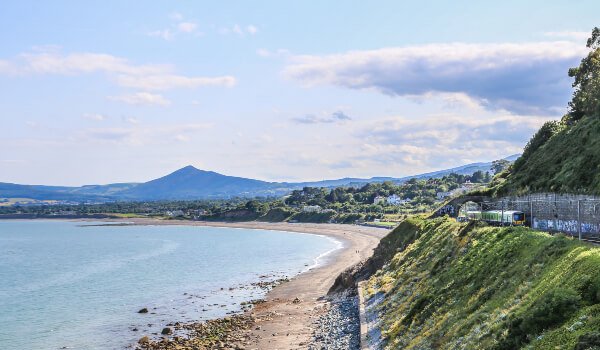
100,92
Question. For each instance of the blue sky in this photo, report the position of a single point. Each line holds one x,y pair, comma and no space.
112,91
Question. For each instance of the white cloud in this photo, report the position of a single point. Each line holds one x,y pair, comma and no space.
260,52
176,16
268,53
251,29
187,27
94,116
444,140
144,76
142,98
166,82
76,63
569,35
335,117
521,78
138,134
165,34
239,30
131,120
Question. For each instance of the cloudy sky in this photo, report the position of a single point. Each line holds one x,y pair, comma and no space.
114,91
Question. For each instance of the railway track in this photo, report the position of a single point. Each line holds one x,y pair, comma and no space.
593,240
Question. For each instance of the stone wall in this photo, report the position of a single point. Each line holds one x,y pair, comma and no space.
567,213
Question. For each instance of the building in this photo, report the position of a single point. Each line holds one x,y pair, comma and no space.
379,200
175,213
311,209
396,200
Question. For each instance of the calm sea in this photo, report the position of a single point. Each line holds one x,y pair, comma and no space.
71,285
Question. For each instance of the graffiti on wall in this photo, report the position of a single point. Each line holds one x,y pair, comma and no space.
446,210
569,226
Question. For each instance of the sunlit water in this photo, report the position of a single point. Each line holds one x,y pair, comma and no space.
66,285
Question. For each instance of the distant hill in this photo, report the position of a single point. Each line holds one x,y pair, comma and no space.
190,183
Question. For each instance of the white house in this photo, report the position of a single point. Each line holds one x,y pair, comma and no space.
175,213
396,200
311,209
379,200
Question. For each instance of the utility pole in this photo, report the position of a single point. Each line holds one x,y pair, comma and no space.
502,215
579,218
530,211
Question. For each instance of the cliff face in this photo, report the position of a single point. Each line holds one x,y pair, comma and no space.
450,285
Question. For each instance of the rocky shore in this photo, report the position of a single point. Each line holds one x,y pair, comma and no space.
302,313
338,328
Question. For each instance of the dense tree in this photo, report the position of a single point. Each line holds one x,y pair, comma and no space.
586,97
499,165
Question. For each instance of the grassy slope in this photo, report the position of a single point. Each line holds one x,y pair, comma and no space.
459,286
568,162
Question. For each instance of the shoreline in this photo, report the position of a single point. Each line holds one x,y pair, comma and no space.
291,312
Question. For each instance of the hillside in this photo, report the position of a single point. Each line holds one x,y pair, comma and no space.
466,286
564,156
559,158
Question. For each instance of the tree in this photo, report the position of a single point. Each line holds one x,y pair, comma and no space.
586,97
478,176
499,165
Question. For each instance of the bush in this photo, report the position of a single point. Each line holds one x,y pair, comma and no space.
588,341
544,134
549,310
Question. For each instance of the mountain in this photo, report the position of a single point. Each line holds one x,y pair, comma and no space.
190,183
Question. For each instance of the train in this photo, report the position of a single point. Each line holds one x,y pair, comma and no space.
495,217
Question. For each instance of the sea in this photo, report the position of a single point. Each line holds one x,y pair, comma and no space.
80,285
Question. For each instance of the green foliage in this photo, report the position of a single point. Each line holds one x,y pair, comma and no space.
564,156
499,165
456,285
313,217
551,309
586,98
277,215
558,159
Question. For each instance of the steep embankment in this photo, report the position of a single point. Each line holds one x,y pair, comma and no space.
470,286
559,158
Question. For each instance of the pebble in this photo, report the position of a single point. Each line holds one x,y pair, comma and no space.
339,327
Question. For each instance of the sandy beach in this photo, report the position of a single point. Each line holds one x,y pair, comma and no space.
287,319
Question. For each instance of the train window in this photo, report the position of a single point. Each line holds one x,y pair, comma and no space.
518,217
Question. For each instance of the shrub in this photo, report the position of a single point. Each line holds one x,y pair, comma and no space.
549,310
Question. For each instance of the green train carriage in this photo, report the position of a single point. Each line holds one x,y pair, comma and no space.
495,217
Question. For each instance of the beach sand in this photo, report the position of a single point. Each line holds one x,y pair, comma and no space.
281,323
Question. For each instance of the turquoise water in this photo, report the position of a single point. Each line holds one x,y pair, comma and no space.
70,285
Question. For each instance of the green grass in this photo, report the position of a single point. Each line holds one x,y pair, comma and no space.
386,224
569,161
470,286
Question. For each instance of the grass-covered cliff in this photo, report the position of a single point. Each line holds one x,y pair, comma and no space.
560,157
564,156
469,286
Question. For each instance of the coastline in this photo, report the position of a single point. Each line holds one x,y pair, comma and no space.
289,315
